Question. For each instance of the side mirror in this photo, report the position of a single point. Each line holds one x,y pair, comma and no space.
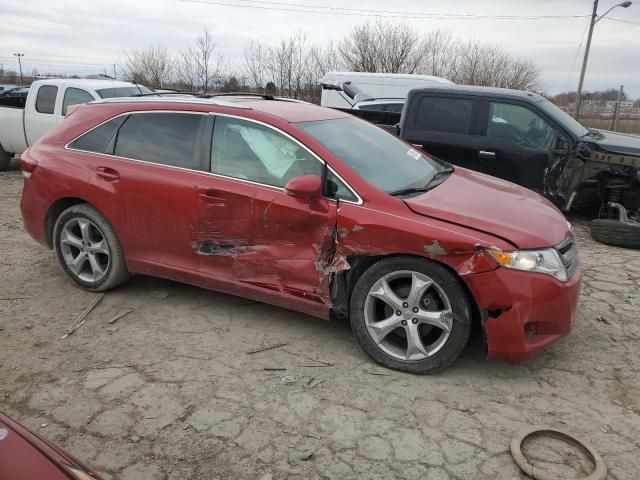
561,145
305,187
332,85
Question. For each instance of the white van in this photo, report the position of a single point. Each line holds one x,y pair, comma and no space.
375,87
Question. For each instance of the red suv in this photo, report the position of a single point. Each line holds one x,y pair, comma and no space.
306,208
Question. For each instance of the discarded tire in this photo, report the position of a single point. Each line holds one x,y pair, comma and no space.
614,232
599,472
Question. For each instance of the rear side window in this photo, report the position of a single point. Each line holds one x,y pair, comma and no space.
46,99
163,138
96,140
446,115
74,96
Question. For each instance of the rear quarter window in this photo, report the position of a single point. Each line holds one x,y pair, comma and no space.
46,99
97,139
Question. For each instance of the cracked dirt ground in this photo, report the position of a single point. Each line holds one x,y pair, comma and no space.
169,391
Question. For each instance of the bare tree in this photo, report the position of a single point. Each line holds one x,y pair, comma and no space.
201,64
383,47
255,64
152,66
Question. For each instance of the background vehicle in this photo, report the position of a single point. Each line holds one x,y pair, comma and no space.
24,119
4,89
388,88
307,208
26,455
522,137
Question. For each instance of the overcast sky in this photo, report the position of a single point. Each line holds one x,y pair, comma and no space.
84,36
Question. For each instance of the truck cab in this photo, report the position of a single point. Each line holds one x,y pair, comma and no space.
23,120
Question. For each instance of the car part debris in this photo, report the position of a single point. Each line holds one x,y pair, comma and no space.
599,472
82,317
263,349
120,315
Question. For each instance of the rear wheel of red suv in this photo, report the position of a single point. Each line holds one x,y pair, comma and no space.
410,314
88,249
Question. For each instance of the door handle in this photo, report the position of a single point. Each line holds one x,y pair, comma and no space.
108,174
486,154
212,197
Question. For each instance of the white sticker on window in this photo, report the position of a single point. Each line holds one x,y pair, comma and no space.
414,154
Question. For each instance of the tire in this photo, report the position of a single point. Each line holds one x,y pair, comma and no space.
443,302
5,159
616,233
91,256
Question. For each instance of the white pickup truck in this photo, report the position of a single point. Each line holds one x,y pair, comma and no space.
24,120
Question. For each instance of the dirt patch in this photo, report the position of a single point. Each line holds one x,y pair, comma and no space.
169,391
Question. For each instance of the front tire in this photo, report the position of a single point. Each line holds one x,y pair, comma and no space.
88,249
410,314
5,159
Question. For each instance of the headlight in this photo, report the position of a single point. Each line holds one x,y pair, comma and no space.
546,261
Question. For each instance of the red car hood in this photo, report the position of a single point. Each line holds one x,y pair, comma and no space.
494,206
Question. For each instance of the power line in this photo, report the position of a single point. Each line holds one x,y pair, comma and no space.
623,21
302,8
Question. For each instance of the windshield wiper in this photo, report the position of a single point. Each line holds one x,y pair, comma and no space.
428,186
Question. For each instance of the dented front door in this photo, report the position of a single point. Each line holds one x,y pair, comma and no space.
261,236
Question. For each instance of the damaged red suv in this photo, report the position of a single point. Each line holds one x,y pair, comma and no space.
307,208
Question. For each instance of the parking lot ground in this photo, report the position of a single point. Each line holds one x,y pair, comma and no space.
169,391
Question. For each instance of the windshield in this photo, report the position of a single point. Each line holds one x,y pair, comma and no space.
122,91
379,157
563,118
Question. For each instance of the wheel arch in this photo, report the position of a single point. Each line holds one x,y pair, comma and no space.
54,211
345,280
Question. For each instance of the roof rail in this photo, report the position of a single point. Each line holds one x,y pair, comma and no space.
210,95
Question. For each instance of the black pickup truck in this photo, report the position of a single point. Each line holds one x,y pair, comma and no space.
524,138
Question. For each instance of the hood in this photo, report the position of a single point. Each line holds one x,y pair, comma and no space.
614,142
494,206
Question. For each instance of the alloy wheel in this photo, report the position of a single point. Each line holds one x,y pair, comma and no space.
85,250
408,315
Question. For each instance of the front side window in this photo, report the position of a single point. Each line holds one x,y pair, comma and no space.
254,152
336,188
74,96
163,138
46,99
520,125
382,159
96,140
444,114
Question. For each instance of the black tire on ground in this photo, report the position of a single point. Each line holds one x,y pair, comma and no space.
453,289
613,232
5,159
116,272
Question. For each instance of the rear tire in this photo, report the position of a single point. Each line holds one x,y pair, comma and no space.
616,233
410,314
88,249
5,159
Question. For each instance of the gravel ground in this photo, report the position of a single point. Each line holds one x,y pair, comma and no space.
169,391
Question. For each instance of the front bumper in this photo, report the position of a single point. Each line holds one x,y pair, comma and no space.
524,312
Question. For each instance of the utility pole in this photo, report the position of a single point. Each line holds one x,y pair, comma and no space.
114,70
594,19
20,55
616,112
586,59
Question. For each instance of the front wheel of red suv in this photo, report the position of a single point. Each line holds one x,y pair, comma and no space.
410,314
88,249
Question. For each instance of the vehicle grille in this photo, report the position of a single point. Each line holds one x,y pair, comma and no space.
569,254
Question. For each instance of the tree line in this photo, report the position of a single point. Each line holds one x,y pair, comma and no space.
293,66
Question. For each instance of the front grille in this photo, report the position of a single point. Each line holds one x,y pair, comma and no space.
569,254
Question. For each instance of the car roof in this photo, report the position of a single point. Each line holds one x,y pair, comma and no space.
289,110
481,92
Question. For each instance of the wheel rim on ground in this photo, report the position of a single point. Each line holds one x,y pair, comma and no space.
85,250
408,315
